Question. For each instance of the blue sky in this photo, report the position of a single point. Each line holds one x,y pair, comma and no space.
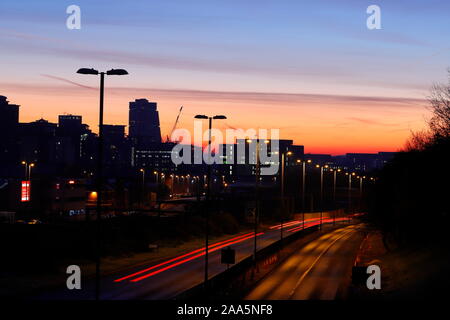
282,47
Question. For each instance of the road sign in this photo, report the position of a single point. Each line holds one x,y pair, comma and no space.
228,256
25,191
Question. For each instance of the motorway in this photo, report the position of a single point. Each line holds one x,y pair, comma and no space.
318,271
166,279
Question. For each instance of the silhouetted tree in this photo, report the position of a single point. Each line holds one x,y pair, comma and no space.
440,108
410,198
419,140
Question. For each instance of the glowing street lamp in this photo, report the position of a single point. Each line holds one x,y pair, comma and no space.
91,71
257,182
208,190
350,190
321,192
28,166
142,170
283,168
303,188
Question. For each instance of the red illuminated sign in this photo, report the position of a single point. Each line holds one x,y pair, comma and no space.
25,191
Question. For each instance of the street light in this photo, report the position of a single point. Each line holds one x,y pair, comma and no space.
172,178
27,177
143,185
28,167
335,171
304,162
257,182
208,190
361,178
91,71
283,156
350,190
321,192
31,165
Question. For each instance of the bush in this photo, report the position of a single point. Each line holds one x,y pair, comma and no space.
226,223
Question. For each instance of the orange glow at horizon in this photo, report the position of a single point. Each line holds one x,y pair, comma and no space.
330,125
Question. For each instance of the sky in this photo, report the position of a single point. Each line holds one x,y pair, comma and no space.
311,69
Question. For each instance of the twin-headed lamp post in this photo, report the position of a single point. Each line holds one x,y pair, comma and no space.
91,71
208,189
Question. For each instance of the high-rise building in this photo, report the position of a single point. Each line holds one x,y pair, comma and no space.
144,123
116,149
9,114
113,134
157,157
37,142
239,159
73,139
69,124
9,121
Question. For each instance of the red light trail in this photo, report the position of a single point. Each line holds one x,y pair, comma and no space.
169,264
227,242
191,258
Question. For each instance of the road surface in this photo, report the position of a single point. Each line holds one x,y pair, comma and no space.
169,278
317,271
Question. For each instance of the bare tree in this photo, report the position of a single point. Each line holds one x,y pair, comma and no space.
419,140
440,108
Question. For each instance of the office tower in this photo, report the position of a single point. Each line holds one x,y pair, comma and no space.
9,120
74,140
144,123
37,142
70,125
114,134
116,150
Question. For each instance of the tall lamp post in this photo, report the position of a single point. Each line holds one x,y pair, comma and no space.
360,191
172,178
208,190
335,171
283,169
303,188
350,190
143,185
257,182
117,72
28,167
321,192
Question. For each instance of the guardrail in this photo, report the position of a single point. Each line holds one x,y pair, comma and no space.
230,283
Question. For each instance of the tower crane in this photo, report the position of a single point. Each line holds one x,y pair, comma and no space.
174,125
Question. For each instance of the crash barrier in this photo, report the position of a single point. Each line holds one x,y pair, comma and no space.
231,282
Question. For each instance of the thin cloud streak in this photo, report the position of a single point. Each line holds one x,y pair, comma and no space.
373,122
229,66
68,81
230,96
